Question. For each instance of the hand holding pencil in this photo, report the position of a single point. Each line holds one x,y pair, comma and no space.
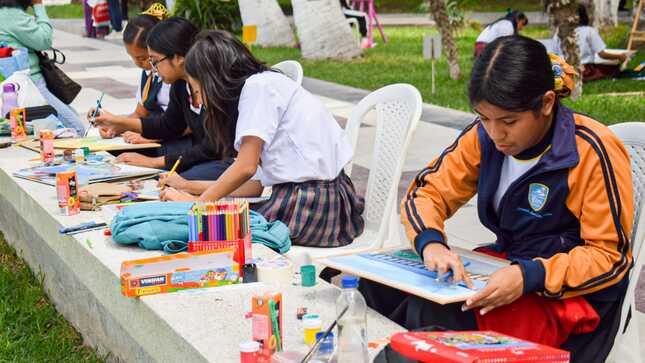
164,179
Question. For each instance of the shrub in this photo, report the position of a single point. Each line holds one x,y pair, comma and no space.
211,14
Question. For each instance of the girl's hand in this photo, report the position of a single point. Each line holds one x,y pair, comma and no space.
140,160
174,180
135,138
172,194
439,258
106,133
504,286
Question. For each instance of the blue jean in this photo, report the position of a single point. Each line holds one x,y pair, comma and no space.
209,170
115,15
66,113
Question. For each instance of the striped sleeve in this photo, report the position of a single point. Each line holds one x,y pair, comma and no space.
440,189
601,196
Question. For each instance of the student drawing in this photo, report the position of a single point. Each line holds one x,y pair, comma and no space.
285,138
168,43
555,188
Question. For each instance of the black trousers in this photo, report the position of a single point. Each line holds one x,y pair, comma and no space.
415,313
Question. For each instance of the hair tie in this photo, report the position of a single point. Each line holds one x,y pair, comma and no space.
157,10
563,76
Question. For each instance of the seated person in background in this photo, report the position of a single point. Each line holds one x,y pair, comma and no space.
510,24
19,29
284,136
555,188
152,94
360,16
168,43
590,43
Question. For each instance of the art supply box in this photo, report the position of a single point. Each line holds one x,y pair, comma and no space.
179,272
473,347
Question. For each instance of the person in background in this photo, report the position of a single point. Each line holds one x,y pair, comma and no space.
590,44
116,19
92,31
19,29
168,43
553,185
510,24
285,138
361,17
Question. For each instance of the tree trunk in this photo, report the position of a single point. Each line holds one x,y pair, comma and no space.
440,16
323,30
272,26
565,18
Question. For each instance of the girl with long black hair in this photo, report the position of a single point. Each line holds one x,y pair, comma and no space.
510,24
285,138
555,188
168,43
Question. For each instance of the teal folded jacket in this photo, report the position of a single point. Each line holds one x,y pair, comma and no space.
152,225
164,226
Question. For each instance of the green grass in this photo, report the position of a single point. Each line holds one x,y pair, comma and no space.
31,330
75,11
414,6
400,60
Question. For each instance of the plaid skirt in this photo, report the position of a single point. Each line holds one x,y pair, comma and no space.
319,213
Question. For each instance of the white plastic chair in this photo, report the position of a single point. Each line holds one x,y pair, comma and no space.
627,348
291,69
398,109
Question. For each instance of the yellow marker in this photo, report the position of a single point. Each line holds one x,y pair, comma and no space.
172,171
249,34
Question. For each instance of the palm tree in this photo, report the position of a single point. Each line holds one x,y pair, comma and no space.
273,29
564,14
323,30
440,15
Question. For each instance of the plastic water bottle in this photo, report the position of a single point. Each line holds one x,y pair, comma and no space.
325,352
352,337
9,98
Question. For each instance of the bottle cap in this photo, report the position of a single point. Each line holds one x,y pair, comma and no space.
9,87
315,323
250,346
349,282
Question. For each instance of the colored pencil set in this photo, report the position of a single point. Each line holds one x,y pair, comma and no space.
218,221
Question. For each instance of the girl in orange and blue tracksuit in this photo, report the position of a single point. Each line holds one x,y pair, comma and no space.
555,188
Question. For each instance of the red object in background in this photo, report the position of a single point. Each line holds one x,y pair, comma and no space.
473,347
6,52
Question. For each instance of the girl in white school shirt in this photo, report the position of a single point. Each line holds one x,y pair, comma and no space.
285,138
510,24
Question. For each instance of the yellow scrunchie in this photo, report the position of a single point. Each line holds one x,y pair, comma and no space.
563,74
157,10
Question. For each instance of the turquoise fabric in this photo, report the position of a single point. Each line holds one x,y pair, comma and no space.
152,226
274,235
164,226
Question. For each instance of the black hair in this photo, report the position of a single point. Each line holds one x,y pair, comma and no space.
137,30
24,4
221,64
514,17
512,73
582,15
173,36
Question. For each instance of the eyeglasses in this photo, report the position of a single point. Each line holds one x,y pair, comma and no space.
154,62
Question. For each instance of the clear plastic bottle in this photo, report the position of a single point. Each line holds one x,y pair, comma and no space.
352,337
9,98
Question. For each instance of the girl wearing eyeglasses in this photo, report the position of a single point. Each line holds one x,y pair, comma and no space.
168,43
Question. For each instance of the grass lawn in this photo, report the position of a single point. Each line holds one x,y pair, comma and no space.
31,330
400,60
75,11
414,6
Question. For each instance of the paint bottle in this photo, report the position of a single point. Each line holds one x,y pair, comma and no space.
79,155
249,352
312,325
67,193
46,146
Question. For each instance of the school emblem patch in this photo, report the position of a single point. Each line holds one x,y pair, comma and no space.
538,194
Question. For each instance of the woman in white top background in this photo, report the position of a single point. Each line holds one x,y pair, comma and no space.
510,24
285,138
591,44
